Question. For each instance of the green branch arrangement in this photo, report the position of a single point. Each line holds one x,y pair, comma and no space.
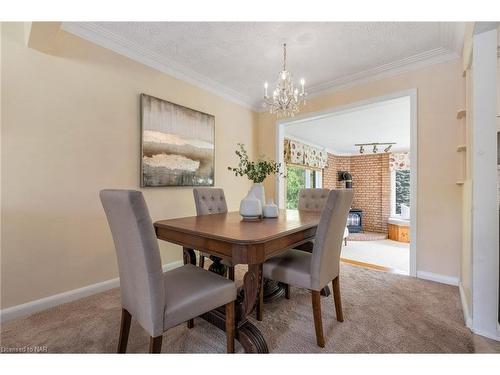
256,171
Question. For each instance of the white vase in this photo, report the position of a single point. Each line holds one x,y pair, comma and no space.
250,206
259,193
270,209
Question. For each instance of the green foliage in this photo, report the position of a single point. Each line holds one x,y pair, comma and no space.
295,180
402,189
256,171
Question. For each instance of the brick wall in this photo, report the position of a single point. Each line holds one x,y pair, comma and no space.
371,183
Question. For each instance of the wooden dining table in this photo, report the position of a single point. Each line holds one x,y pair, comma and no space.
227,237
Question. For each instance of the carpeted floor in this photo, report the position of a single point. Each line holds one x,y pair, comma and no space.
384,313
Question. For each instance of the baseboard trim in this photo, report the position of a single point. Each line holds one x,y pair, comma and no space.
20,311
437,278
489,335
465,306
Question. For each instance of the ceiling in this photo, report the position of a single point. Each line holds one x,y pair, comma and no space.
387,121
234,59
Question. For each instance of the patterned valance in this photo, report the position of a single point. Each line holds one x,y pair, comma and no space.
302,154
399,161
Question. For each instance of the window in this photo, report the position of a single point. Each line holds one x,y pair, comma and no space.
299,178
400,190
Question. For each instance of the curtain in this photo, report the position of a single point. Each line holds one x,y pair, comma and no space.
302,154
399,161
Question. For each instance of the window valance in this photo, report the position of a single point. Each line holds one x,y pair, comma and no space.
302,154
399,161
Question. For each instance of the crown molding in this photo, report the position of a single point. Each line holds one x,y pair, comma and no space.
451,36
415,62
104,38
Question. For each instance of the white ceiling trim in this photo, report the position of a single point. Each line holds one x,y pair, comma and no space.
419,61
103,37
113,42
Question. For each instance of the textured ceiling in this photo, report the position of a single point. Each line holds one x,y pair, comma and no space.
387,121
236,58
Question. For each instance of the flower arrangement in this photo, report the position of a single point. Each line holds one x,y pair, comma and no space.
256,171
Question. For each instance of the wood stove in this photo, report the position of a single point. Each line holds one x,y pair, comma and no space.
355,220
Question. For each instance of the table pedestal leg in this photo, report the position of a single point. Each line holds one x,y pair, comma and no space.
217,266
248,335
273,290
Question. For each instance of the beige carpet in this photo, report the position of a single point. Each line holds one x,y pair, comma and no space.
384,313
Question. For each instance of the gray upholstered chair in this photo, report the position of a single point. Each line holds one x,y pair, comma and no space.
315,270
210,201
158,300
312,199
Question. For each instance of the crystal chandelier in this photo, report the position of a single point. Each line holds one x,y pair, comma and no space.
286,99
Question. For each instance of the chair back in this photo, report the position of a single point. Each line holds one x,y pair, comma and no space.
328,241
312,199
209,201
137,251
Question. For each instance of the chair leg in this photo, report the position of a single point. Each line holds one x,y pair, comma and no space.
124,331
230,327
230,273
155,344
318,324
287,291
337,299
190,323
202,261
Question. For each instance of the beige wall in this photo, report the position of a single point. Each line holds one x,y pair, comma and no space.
71,127
440,95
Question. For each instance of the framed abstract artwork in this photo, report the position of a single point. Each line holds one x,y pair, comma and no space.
177,145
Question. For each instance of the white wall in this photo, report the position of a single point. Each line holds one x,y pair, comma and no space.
485,235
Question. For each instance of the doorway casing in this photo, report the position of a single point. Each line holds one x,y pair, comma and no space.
412,94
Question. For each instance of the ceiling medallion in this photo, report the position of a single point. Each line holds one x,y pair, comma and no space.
286,98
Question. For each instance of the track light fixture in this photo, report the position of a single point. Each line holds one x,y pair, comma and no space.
375,146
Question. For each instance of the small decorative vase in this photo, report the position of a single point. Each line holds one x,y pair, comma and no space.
259,193
270,209
250,207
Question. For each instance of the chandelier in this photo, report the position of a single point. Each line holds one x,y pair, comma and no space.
286,98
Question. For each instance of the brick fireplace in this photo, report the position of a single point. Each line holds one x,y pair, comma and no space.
371,184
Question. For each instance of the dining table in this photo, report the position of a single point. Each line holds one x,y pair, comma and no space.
227,236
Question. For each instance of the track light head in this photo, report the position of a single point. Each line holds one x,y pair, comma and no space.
375,149
388,148
361,150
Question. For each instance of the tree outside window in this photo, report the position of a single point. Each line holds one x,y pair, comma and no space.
402,189
299,178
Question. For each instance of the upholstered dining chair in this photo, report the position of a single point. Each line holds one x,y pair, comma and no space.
315,270
314,199
158,300
210,201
